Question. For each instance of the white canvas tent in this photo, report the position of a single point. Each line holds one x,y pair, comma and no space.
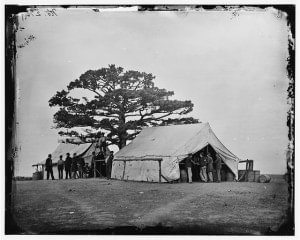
154,155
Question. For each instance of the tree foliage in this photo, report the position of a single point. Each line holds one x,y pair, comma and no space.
123,103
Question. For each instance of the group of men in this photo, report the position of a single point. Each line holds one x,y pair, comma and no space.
206,164
75,167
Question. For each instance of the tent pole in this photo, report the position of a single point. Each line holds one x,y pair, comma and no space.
159,164
94,158
124,170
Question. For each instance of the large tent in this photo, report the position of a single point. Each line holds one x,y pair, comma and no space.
154,155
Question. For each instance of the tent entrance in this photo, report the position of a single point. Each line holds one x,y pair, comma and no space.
226,173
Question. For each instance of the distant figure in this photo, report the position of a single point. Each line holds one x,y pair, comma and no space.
93,164
218,164
108,162
203,163
49,167
188,165
102,143
80,164
68,164
87,170
210,167
74,166
60,167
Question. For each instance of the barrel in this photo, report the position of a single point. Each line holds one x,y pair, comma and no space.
264,178
229,176
251,176
183,175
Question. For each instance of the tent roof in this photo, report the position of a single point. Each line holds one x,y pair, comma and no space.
176,141
64,148
172,140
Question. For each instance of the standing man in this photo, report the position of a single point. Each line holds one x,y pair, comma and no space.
188,165
102,143
68,164
74,166
108,162
218,164
203,163
93,164
49,167
60,167
210,167
80,164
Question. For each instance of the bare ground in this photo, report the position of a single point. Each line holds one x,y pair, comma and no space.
98,206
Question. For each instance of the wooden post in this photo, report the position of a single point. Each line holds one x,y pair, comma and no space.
94,168
124,170
159,164
100,175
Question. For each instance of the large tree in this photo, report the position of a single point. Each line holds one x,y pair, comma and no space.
123,102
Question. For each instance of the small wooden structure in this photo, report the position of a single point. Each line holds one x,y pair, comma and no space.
248,175
98,171
39,172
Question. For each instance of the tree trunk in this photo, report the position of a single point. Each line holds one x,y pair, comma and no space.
122,143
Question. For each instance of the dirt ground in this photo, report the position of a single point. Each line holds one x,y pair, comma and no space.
98,206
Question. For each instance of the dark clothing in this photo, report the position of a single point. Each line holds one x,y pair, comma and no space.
60,171
49,168
80,164
203,161
48,164
210,166
195,160
188,162
218,162
68,164
68,173
103,147
102,144
74,167
109,165
50,171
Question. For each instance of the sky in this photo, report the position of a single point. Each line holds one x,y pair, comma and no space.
232,67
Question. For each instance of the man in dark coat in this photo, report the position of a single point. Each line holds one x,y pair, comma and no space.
210,167
218,164
74,167
108,162
68,163
48,166
60,167
188,165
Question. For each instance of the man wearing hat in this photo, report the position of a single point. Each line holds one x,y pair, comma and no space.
48,166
